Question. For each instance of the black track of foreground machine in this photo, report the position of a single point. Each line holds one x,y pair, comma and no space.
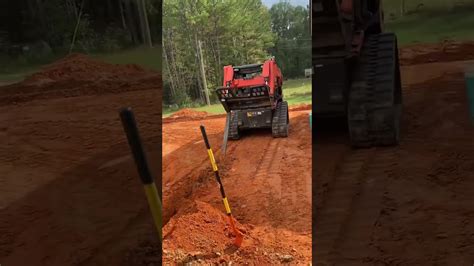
253,98
356,70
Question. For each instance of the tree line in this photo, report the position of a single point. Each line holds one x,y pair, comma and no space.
78,25
200,37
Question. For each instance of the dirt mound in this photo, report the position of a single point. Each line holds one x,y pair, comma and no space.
81,67
190,113
79,75
441,52
301,107
199,226
201,233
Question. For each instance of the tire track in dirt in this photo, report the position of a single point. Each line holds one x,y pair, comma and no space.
351,208
278,189
367,206
336,205
257,197
296,188
415,206
267,171
267,180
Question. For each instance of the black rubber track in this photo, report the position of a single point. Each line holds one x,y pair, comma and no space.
386,109
280,121
374,106
234,126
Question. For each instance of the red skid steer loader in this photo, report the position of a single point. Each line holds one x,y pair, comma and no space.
252,96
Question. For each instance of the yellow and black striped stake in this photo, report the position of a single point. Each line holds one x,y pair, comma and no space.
134,141
238,234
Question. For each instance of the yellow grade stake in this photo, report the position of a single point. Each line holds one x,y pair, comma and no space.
134,141
238,234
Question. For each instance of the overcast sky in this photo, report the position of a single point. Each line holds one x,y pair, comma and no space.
269,3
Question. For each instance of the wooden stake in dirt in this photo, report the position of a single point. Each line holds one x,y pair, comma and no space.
238,235
133,137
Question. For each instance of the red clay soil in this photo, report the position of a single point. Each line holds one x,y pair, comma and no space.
201,227
79,75
189,113
70,195
271,202
69,191
441,52
410,205
82,67
300,107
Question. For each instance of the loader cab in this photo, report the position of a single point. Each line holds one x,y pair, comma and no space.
248,71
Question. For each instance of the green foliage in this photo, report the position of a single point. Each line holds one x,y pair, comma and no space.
87,40
58,25
293,47
232,32
114,38
105,26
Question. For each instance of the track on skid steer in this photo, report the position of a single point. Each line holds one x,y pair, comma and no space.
374,103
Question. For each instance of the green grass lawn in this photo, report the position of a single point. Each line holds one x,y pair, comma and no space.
433,27
435,21
14,70
394,6
297,91
17,75
147,57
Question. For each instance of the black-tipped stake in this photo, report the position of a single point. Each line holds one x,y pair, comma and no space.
130,127
238,234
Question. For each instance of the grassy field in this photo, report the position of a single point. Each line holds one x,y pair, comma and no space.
432,28
394,6
297,91
16,75
430,21
13,70
16,70
146,57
